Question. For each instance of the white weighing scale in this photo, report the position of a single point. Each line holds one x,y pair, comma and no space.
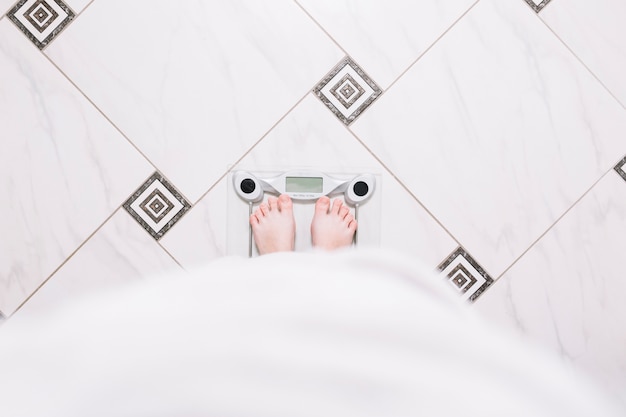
304,187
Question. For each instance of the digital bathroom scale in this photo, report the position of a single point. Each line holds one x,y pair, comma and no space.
304,187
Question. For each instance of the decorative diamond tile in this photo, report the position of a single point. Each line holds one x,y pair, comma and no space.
537,5
347,91
156,205
465,275
41,20
620,168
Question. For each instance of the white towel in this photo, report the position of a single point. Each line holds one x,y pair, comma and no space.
349,333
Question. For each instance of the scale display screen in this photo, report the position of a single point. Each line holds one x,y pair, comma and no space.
304,184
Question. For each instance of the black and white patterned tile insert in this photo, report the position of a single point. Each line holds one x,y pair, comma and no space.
620,168
537,5
347,91
41,20
157,206
465,274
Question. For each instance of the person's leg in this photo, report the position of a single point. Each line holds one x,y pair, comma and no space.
332,227
273,225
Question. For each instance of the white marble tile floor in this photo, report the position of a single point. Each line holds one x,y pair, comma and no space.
494,129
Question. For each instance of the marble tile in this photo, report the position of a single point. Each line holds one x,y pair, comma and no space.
157,205
201,234
385,37
198,92
568,291
78,5
117,254
5,5
41,20
498,130
596,34
63,168
309,137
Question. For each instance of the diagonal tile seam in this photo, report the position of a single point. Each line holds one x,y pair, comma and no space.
193,204
254,145
458,19
403,185
605,87
417,199
428,48
213,185
444,33
321,28
462,247
71,255
387,89
116,210
608,90
102,113
574,204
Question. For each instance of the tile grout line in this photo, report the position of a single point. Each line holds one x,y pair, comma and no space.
545,232
383,92
387,89
101,112
147,159
254,145
171,256
42,51
403,186
601,177
239,160
623,105
445,32
321,28
70,256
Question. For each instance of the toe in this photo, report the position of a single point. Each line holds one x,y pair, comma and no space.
343,212
322,205
352,226
272,202
254,220
263,210
284,203
337,204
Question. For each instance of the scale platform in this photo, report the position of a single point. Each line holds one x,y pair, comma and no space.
360,191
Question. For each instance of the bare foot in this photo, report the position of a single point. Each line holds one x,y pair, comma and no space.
332,227
273,225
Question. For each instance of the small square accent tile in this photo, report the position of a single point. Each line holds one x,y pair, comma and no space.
620,168
537,5
157,206
41,20
465,275
347,91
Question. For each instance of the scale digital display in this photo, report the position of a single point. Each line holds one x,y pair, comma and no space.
304,184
